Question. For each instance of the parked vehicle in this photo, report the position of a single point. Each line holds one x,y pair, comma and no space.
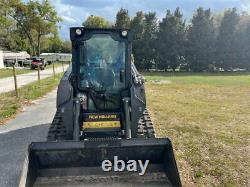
38,62
27,62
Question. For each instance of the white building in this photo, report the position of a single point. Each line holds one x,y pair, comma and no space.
8,55
53,57
15,57
1,60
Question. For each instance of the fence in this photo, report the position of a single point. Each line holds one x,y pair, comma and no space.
49,72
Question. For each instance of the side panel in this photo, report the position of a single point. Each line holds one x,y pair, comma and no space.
65,102
138,98
138,105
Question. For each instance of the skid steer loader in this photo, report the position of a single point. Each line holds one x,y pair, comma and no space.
101,132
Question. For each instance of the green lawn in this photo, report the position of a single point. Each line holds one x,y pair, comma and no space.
57,65
10,105
217,79
207,117
9,72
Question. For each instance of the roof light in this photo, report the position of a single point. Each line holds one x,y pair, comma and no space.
78,31
124,33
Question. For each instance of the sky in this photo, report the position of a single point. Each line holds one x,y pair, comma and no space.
74,12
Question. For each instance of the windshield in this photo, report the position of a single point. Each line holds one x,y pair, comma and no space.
102,59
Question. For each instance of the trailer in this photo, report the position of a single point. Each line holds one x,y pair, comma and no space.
1,60
56,57
16,58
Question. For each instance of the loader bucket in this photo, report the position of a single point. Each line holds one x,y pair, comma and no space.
72,163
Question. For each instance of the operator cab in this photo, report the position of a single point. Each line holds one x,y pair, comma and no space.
102,64
102,67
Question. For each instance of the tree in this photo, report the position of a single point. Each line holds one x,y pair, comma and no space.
246,48
56,45
148,40
96,22
10,38
243,42
226,41
122,19
5,25
201,40
137,26
144,27
34,20
66,48
170,41
22,16
44,21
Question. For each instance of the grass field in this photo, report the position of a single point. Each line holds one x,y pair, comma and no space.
9,72
10,105
207,117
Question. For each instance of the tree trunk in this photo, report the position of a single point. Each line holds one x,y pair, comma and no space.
31,43
33,50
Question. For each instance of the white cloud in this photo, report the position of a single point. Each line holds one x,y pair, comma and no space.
68,19
245,5
246,2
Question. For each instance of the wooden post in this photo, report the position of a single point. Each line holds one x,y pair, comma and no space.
63,67
15,80
54,72
38,71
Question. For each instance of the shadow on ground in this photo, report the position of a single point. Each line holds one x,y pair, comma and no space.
13,146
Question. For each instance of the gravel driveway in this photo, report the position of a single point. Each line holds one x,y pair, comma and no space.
29,126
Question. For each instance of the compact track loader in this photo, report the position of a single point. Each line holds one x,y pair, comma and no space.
101,134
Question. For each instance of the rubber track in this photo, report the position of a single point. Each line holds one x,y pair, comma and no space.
145,126
57,131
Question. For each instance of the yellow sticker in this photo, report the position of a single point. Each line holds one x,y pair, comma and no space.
106,116
101,124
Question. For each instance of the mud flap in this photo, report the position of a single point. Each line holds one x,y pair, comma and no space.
80,163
